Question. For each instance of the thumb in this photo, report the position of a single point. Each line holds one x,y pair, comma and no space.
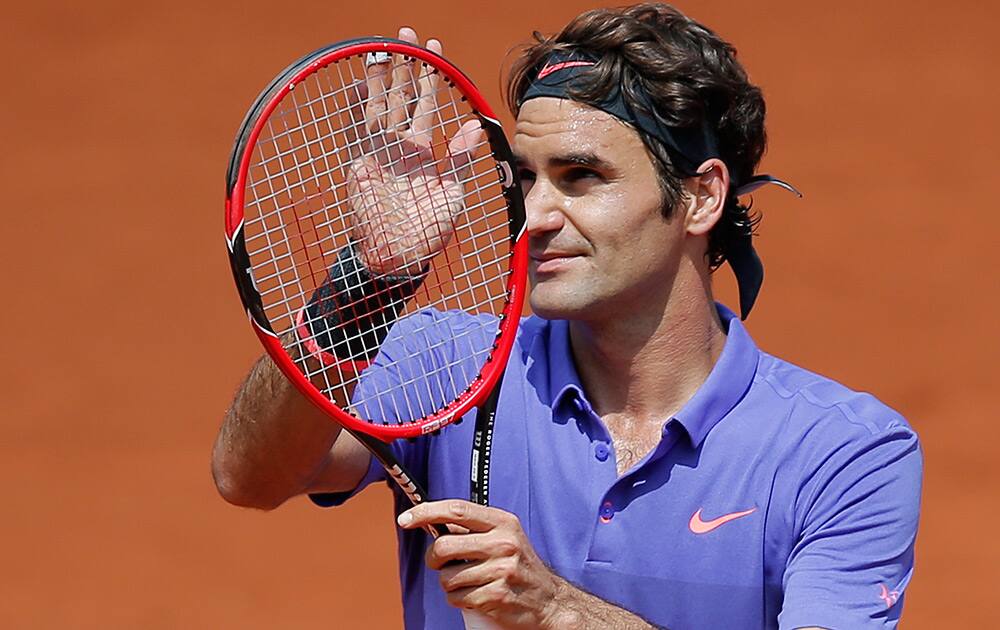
462,149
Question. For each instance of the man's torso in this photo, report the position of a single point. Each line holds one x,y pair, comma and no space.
701,530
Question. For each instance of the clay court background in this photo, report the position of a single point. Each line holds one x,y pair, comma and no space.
125,339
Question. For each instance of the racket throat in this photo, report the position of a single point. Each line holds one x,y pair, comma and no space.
482,448
412,488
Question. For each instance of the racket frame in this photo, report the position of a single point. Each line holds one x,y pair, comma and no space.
486,385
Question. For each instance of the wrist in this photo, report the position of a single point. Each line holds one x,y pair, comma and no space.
351,312
561,611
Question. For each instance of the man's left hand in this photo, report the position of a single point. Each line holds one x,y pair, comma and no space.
491,567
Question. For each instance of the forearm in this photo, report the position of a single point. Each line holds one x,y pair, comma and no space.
574,609
273,442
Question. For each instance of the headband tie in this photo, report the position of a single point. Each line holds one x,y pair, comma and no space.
688,147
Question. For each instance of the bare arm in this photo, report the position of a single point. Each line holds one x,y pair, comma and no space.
274,444
575,609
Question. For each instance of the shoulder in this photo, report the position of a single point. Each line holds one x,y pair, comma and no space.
454,330
438,330
833,442
811,399
844,497
449,320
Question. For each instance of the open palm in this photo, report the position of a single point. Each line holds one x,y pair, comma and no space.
405,199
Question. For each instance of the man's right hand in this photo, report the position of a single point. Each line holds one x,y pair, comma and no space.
273,443
405,198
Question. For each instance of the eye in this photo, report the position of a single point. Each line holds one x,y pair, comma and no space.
527,178
580,173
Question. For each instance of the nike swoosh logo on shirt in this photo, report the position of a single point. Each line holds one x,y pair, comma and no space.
699,526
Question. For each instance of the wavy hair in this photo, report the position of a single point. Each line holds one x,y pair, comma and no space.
691,77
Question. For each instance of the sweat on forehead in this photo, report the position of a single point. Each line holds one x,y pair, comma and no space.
573,132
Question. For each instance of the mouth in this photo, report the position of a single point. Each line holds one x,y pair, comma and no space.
550,262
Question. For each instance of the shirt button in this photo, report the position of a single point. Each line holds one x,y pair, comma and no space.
601,451
607,512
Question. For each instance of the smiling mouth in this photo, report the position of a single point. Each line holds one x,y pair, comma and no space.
549,263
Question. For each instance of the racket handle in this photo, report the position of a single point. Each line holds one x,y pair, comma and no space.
477,621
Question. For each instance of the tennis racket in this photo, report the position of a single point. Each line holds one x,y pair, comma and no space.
376,233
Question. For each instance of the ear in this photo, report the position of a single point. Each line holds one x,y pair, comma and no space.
706,197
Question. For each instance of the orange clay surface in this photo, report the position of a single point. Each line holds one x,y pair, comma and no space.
125,338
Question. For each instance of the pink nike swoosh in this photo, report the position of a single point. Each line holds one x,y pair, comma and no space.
699,526
547,70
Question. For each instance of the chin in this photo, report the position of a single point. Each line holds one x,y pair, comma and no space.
551,304
544,305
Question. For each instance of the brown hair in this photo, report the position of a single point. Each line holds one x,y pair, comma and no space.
691,77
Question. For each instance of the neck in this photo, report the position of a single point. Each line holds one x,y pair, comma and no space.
648,363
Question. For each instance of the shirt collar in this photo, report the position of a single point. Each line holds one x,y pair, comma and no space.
725,386
564,381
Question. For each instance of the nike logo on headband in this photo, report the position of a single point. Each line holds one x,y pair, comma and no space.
550,68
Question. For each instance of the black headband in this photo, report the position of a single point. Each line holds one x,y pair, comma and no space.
688,147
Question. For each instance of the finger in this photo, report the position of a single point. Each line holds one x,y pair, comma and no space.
482,598
472,574
376,79
423,113
353,119
457,529
400,95
462,149
474,517
458,549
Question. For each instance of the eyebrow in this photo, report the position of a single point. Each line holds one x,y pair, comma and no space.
588,159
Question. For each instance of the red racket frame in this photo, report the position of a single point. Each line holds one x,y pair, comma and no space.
496,362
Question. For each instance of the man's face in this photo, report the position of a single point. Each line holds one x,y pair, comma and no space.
599,243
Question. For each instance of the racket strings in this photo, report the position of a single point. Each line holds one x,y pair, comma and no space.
337,226
300,212
359,146
475,245
474,249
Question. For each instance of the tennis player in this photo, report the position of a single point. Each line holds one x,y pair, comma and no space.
652,467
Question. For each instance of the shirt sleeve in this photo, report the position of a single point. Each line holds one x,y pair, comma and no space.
332,499
411,454
853,559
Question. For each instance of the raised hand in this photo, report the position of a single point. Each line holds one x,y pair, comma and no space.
405,198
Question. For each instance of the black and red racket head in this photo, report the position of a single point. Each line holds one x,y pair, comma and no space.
307,179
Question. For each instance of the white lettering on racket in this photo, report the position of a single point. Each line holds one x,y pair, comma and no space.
486,471
432,426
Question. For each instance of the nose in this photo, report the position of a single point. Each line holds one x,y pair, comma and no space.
543,207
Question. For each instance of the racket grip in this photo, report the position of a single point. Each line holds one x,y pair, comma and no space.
477,621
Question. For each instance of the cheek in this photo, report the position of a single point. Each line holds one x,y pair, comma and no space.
648,240
623,215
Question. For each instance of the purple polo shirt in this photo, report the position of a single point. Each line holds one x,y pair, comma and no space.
776,498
